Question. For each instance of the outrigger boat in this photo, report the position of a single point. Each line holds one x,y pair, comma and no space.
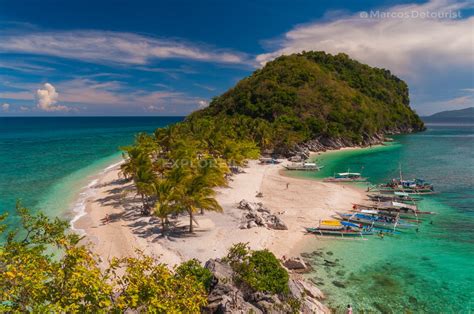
377,221
304,166
340,228
268,161
389,206
346,177
415,186
396,196
407,215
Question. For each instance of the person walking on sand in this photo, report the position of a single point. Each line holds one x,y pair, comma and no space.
107,219
287,185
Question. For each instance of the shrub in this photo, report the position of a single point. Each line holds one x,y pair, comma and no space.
193,268
259,270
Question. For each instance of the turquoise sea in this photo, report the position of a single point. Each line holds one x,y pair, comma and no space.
47,162
431,271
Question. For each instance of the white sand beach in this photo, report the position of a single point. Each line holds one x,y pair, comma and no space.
300,205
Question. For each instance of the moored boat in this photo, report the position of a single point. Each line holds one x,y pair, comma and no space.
268,161
304,166
415,186
412,216
340,228
346,177
396,196
377,221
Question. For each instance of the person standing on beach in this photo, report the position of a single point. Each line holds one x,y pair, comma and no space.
287,185
349,309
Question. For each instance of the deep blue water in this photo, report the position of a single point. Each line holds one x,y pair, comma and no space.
44,161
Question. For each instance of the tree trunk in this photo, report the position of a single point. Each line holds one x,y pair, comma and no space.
143,202
163,225
191,229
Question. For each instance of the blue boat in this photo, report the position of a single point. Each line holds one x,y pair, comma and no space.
343,229
377,221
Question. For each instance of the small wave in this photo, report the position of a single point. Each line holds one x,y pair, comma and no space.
112,166
80,206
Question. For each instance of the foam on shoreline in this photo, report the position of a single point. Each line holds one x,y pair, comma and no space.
87,192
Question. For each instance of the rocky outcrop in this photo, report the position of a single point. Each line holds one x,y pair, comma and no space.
256,215
296,263
322,143
226,296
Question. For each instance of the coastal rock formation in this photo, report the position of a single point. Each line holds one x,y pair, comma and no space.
302,151
296,263
226,296
256,215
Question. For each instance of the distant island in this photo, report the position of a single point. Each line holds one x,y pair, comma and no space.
465,115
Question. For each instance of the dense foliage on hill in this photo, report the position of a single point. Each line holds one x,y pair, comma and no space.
303,96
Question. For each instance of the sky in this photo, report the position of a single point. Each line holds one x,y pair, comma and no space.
121,58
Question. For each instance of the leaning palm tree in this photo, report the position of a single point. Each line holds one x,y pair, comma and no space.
197,197
164,206
144,180
194,189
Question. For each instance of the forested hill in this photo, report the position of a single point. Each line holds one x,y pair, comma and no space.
314,95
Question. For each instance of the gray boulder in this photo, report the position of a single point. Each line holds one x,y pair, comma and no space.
295,263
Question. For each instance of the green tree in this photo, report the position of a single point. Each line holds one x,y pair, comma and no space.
32,279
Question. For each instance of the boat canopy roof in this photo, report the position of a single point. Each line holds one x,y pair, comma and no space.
348,174
369,211
309,164
330,222
349,224
402,194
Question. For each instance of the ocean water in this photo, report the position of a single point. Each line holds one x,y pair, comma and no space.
430,271
48,163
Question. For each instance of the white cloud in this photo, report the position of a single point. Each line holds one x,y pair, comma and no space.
203,104
47,97
112,47
206,87
105,96
402,45
5,107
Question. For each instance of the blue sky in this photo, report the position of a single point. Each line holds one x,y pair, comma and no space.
171,57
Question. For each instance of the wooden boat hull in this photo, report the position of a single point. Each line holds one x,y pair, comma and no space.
408,191
293,168
376,223
340,233
388,197
344,180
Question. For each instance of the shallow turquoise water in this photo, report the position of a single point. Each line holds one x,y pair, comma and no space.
431,271
46,162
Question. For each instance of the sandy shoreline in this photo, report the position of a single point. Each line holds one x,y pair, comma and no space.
300,205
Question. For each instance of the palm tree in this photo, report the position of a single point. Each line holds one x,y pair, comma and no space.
194,188
138,166
197,196
164,206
